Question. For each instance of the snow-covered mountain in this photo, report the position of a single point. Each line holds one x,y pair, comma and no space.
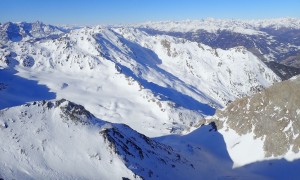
23,31
156,84
263,126
275,40
153,87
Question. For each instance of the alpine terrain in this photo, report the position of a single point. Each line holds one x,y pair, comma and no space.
195,99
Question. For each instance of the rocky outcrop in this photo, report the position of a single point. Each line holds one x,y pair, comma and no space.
283,71
272,115
141,152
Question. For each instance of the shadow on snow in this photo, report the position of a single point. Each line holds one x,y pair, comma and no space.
149,60
16,90
207,139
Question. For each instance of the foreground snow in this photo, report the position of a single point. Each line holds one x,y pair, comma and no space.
59,139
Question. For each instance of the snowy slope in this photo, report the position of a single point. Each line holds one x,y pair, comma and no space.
213,73
65,141
50,145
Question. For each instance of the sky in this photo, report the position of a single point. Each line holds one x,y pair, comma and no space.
92,12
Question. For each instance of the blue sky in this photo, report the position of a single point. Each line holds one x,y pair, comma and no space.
91,12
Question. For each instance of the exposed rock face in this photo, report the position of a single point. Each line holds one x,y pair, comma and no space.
292,60
272,115
74,112
141,152
27,61
283,71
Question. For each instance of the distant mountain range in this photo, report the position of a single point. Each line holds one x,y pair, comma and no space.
273,41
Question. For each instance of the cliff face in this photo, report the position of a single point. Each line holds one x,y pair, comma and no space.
272,116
